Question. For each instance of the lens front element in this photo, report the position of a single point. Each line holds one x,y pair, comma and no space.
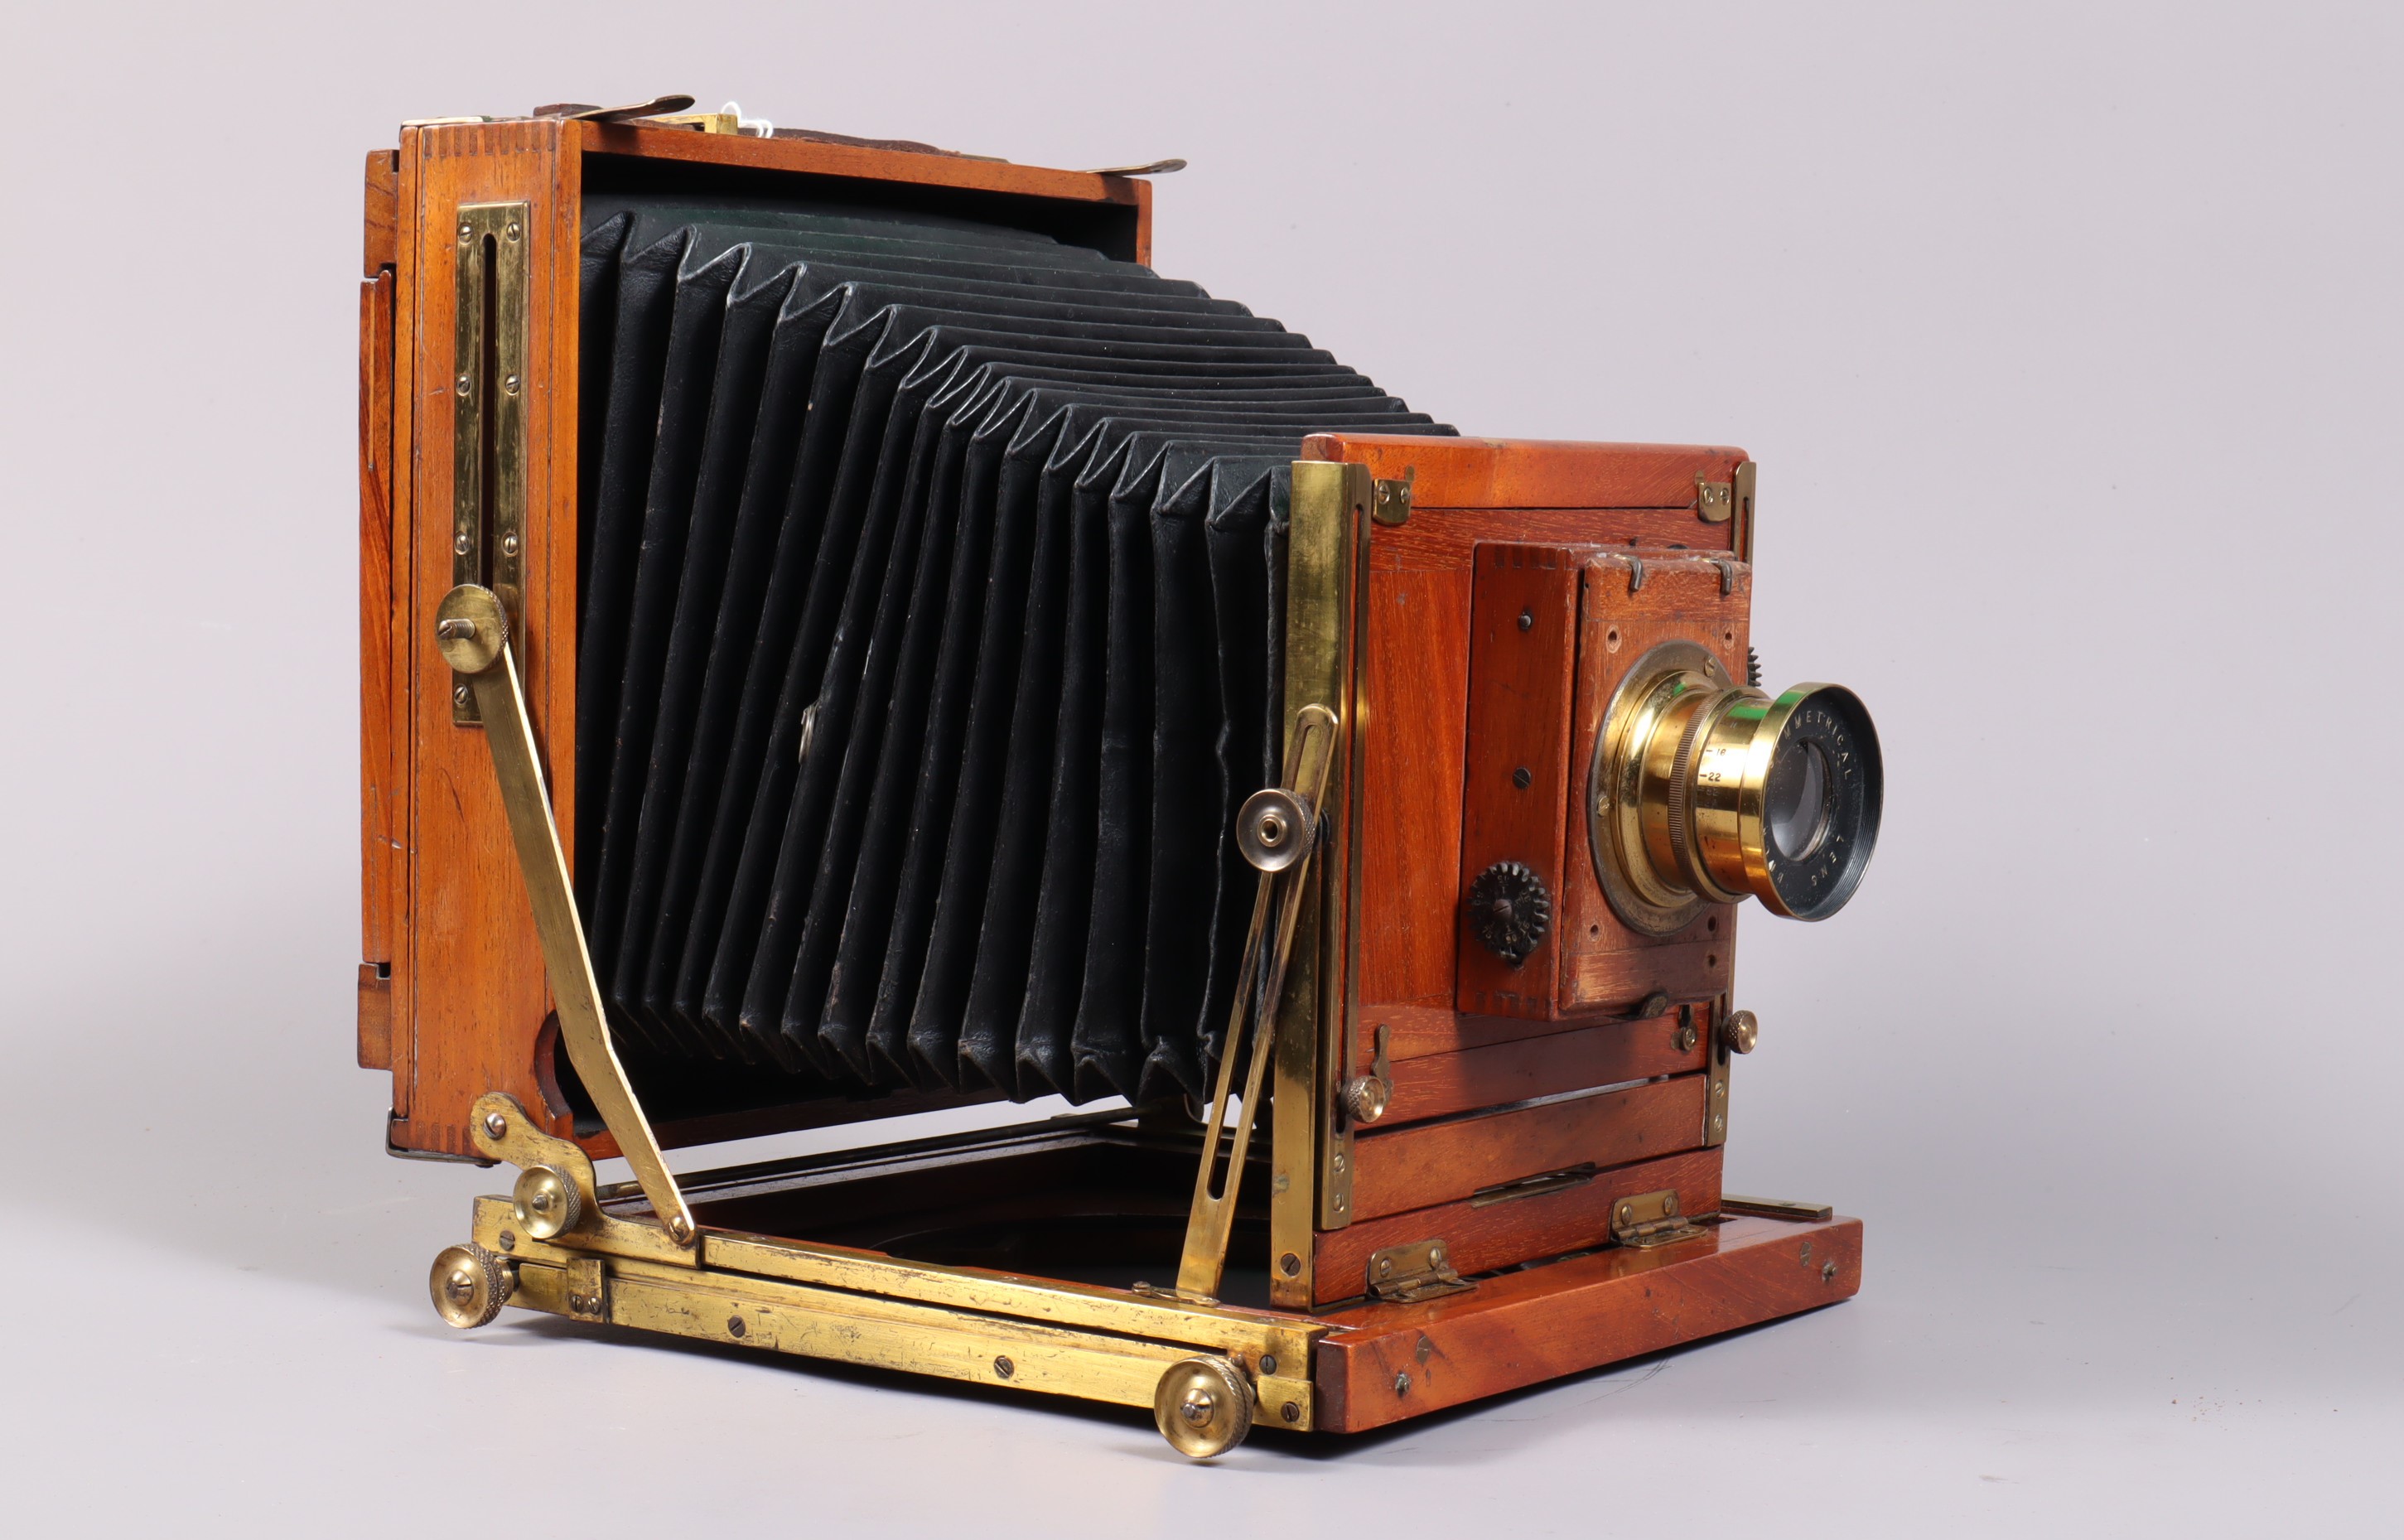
1707,791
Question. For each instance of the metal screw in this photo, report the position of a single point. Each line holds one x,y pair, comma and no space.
1401,1384
1004,1367
1628,1213
1527,620
1520,777
1339,1202
1197,1407
457,628
509,384
459,697
462,386
734,1326
1806,1252
1339,1162
514,231
508,545
1291,1411
1385,1266
681,1227
1719,1091
1268,1362
467,230
494,1122
460,1287
459,545
1435,1256
1670,1205
1289,1264
1688,1036
1719,1124
1827,1272
508,1240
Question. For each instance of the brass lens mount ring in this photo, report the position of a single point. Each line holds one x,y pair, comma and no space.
1704,790
1662,698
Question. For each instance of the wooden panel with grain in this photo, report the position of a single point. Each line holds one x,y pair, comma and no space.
967,175
381,235
1608,1053
375,1018
1481,1235
1415,714
1389,1362
478,991
1532,473
1436,1163
382,798
1415,1031
1514,779
1603,964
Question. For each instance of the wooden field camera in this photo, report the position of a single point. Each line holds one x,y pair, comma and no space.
1481,1010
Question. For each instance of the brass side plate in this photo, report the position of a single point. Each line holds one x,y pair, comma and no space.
1717,1060
488,416
1776,1207
588,1289
1310,1183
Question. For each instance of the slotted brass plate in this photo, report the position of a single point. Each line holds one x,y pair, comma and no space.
488,416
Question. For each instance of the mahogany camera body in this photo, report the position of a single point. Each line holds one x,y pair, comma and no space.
1492,1075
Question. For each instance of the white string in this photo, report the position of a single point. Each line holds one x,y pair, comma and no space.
759,128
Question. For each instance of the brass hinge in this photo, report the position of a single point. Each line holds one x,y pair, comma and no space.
1391,502
1651,1219
1420,1270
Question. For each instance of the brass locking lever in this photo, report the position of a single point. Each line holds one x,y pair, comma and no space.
1278,829
472,630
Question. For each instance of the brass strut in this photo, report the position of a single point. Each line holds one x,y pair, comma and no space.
1277,831
472,628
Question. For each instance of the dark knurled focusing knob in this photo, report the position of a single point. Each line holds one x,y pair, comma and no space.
1509,911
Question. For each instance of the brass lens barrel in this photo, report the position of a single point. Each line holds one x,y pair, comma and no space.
1706,791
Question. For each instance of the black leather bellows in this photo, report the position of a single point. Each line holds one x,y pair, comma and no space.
931,596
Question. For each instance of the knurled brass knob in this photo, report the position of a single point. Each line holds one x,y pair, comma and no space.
1203,1407
470,1284
545,1202
1740,1031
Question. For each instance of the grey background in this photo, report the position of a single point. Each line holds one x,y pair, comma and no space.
2067,339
